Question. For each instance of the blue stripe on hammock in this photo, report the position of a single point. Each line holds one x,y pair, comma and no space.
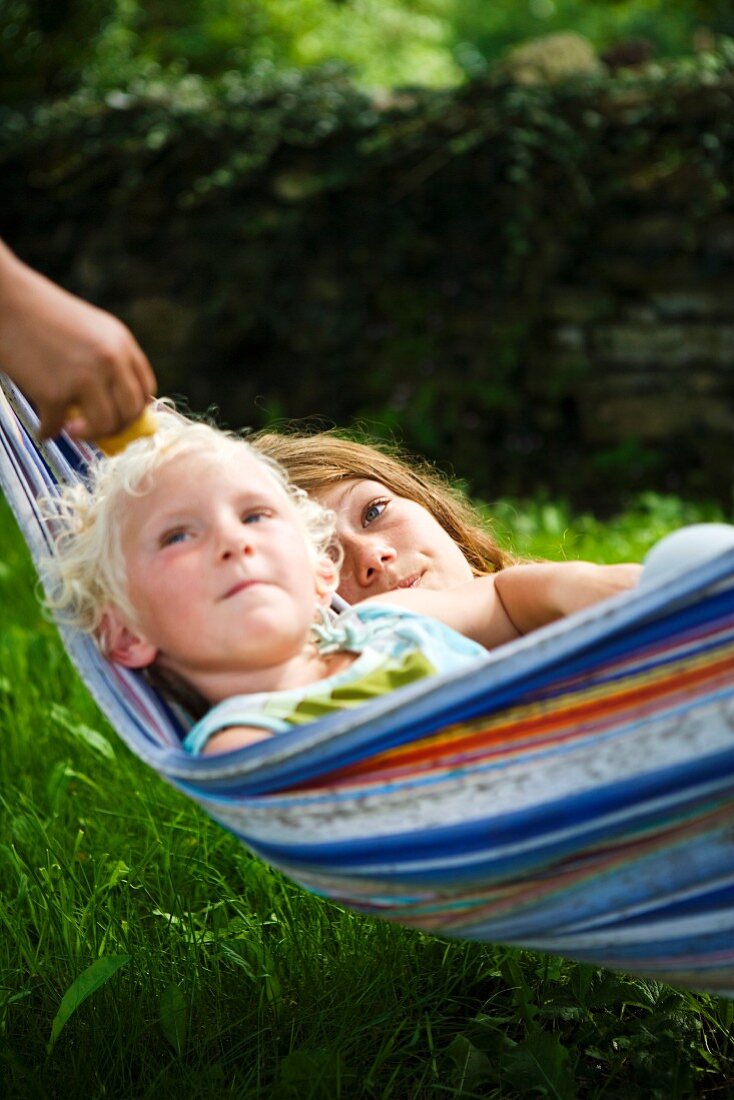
480,699
578,812
216,795
708,901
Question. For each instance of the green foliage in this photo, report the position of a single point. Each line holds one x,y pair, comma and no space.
51,47
46,44
386,42
410,245
481,32
89,981
174,1017
542,528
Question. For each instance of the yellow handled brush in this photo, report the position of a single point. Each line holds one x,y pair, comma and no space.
145,424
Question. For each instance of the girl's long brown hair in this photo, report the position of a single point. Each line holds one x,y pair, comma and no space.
317,461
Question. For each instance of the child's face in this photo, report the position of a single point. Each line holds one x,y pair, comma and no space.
219,572
390,542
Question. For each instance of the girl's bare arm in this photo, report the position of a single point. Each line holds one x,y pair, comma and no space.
495,609
234,737
540,592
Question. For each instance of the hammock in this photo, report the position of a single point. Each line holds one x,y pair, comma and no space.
574,793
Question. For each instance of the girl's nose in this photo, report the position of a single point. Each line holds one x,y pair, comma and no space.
233,539
368,560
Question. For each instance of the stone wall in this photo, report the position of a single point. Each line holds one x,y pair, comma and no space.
532,286
642,329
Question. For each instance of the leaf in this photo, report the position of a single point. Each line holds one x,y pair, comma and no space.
472,1064
539,1062
95,740
91,737
583,978
57,784
235,952
13,998
24,831
313,1073
173,1017
118,872
256,961
183,926
59,780
88,982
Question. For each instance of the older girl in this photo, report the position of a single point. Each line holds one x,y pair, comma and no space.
402,525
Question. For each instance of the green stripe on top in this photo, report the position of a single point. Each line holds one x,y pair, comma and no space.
393,674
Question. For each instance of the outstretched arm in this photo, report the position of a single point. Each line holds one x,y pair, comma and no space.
234,737
540,592
495,609
66,354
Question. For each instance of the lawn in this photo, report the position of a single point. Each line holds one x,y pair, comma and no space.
216,977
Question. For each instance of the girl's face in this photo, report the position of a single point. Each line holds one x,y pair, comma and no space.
220,574
390,542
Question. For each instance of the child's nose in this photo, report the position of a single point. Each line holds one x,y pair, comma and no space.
234,539
369,560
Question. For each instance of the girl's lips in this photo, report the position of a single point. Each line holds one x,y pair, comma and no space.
409,582
239,587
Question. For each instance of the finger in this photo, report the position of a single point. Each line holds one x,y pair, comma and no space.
76,427
52,419
128,396
145,373
131,382
98,407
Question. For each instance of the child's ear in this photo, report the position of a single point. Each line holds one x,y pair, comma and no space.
122,645
327,578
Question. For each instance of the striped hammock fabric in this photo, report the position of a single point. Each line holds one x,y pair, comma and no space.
573,794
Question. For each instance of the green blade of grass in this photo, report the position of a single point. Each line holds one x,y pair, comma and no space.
82,987
173,1016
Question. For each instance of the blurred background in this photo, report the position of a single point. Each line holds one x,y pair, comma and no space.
501,232
54,47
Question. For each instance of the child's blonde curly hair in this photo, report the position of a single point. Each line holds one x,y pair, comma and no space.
85,574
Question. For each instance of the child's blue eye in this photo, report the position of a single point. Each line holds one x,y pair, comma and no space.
173,537
254,517
372,511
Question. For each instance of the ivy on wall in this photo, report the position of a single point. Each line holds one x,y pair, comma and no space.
285,246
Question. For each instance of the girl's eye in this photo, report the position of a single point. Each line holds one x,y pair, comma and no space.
255,516
172,537
373,511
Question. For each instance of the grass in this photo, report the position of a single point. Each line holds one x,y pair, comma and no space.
219,978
